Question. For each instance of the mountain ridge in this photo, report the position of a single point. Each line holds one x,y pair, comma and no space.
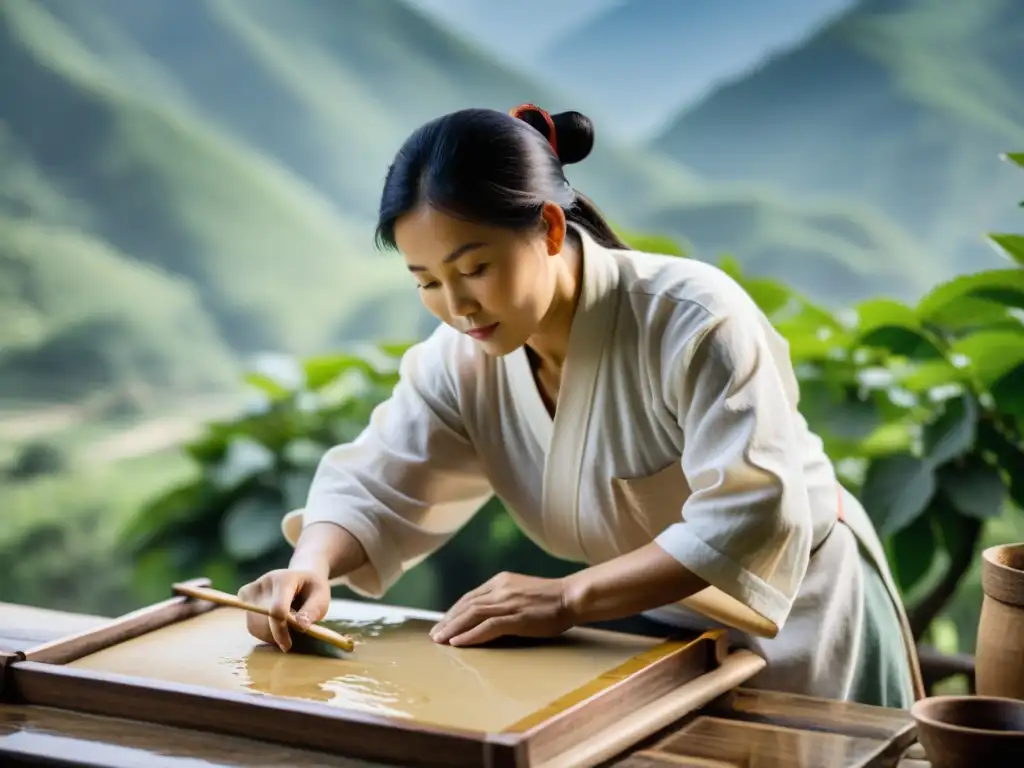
639,61
906,106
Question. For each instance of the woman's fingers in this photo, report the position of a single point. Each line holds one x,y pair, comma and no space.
484,594
275,593
472,615
487,630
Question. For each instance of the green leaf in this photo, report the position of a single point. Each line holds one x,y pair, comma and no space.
251,528
807,346
970,300
894,326
268,386
1006,450
952,526
902,341
990,355
650,243
879,313
1006,296
394,349
1011,246
172,506
732,267
886,440
974,310
244,459
1014,157
1008,392
974,488
321,371
896,490
769,295
809,315
952,433
839,414
925,375
304,453
913,552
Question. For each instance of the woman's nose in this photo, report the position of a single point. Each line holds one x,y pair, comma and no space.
461,305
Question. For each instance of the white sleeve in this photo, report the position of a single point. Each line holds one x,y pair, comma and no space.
408,482
746,526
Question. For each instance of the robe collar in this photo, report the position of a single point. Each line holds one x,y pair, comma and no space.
563,438
590,330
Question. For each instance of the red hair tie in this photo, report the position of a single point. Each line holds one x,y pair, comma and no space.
519,111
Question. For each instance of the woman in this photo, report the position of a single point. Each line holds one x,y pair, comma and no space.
635,412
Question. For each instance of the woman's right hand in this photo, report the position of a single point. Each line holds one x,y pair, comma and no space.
285,591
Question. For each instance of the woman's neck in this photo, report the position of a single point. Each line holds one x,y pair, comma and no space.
551,342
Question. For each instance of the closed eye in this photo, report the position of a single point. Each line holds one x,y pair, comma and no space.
479,271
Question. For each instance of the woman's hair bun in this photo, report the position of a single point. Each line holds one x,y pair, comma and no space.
573,131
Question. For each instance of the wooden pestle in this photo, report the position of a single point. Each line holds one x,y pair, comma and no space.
316,631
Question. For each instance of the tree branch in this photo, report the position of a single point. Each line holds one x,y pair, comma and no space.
961,558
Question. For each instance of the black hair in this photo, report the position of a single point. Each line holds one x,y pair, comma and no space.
494,168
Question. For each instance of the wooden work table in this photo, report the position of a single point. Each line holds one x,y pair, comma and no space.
744,728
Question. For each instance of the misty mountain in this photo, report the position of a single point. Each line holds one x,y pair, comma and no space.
637,63
213,168
905,105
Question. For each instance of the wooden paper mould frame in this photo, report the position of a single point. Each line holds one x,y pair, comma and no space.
588,726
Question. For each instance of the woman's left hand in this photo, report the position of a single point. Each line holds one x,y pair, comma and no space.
508,604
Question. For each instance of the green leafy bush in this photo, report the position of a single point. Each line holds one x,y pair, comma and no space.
919,406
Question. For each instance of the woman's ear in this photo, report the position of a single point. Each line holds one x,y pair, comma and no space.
554,223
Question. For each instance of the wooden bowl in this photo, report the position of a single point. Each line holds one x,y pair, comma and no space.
961,731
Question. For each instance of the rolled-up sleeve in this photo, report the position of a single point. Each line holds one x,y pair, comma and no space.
408,482
746,527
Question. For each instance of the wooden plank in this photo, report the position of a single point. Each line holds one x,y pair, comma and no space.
30,734
570,721
617,725
741,744
6,659
814,714
134,624
648,760
24,626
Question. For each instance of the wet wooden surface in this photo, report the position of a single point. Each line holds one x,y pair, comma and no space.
747,728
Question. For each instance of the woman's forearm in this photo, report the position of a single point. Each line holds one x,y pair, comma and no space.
329,550
641,580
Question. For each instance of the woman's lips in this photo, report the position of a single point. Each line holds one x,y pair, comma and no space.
482,333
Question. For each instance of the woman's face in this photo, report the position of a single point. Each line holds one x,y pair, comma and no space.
496,285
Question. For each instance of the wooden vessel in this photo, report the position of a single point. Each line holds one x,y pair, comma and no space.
999,654
397,697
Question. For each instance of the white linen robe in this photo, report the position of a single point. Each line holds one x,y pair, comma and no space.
676,421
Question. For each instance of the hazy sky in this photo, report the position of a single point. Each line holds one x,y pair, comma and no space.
515,28
722,40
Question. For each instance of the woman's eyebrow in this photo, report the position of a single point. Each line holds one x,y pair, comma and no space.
460,251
